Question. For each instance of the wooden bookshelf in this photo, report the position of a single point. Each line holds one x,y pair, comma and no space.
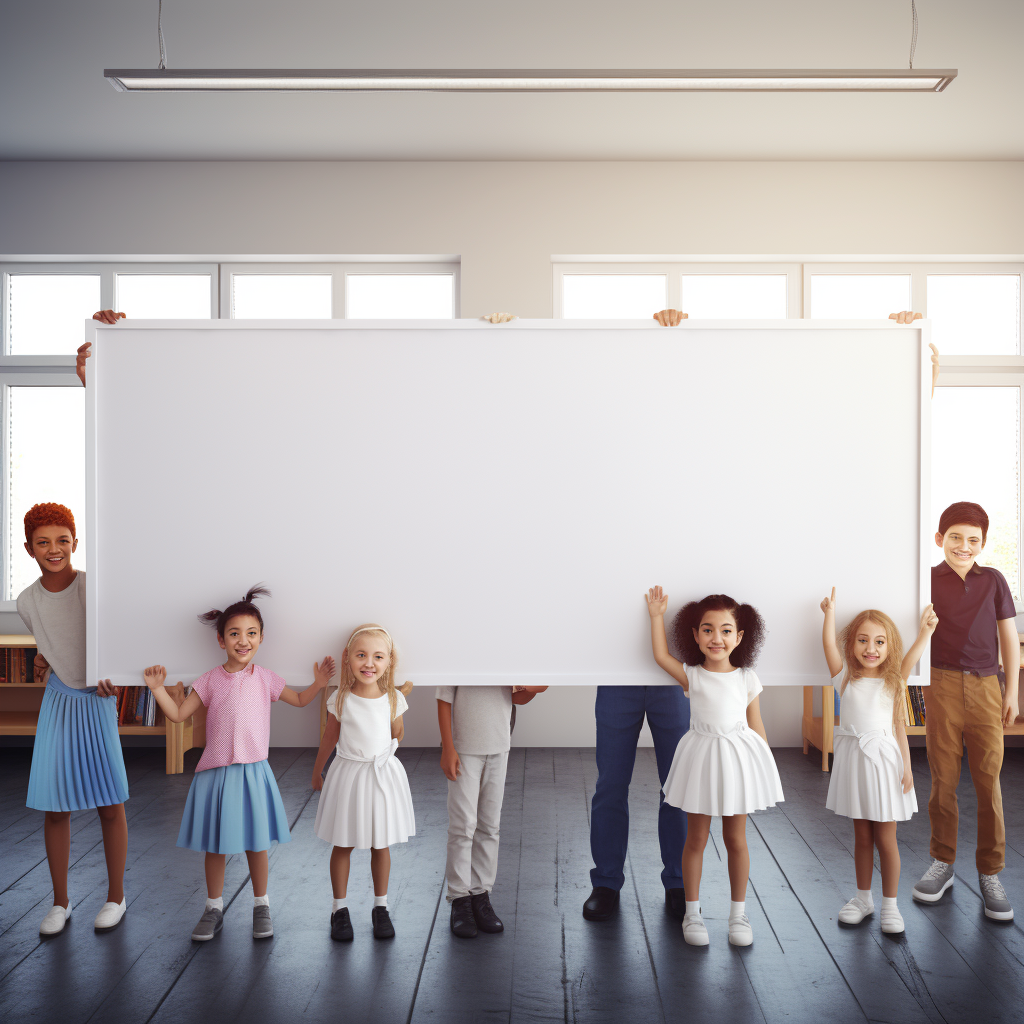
20,703
818,730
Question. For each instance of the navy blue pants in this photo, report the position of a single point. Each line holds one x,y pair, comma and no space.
620,714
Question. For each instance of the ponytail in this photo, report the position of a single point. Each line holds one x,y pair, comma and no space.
219,619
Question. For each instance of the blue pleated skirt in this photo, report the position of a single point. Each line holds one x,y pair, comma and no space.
76,758
234,809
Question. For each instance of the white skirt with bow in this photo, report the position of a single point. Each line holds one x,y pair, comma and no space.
867,777
366,803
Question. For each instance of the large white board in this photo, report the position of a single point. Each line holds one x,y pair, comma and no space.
499,497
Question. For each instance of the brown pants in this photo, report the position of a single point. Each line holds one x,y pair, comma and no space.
960,708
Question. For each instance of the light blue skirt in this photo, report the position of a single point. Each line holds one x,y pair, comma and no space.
76,758
234,809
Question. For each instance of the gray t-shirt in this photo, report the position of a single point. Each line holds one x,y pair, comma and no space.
57,621
480,717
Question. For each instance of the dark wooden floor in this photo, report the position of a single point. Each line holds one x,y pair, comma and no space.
550,965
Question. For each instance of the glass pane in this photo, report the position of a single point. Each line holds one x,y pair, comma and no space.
858,296
47,463
989,473
281,296
612,296
400,296
163,296
975,314
46,312
735,296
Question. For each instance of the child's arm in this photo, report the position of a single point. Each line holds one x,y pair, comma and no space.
155,677
828,636
450,763
322,674
754,718
397,729
929,620
657,604
1009,647
524,694
329,740
901,739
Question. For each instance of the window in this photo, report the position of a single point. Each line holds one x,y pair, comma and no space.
165,296
735,296
612,296
45,312
400,296
280,296
858,296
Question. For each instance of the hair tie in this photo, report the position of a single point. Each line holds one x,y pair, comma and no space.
371,629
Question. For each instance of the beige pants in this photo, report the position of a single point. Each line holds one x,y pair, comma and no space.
963,708
474,817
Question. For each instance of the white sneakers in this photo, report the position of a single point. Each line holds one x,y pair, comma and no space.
856,910
56,918
694,930
892,920
110,916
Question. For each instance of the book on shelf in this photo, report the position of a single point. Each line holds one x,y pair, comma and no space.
16,665
136,705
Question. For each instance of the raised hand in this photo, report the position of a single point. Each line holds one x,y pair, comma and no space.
499,318
670,317
155,676
905,317
657,602
828,604
108,316
929,620
105,688
324,672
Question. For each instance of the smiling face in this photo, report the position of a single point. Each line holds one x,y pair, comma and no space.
870,647
52,547
368,657
961,545
241,639
717,636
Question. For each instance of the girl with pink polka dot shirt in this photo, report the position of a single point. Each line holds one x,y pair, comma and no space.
234,805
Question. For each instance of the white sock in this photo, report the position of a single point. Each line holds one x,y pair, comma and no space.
736,909
261,901
380,901
889,901
866,897
215,904
338,904
692,909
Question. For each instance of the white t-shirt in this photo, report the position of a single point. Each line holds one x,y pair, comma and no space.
365,723
57,621
481,718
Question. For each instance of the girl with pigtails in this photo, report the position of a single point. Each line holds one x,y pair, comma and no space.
365,801
234,805
723,767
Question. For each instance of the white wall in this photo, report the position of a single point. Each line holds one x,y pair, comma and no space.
506,220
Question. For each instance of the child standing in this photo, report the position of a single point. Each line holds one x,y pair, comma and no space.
76,757
964,705
871,779
723,766
233,804
475,724
366,802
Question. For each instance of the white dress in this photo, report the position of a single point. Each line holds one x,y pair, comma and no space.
867,769
365,801
721,766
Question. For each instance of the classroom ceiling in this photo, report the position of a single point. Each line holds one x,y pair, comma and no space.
57,106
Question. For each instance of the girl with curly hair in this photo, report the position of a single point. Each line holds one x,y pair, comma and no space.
723,766
871,777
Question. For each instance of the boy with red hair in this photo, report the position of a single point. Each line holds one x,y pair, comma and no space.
964,704
76,758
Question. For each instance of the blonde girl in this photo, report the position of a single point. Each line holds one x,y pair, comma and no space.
365,801
871,779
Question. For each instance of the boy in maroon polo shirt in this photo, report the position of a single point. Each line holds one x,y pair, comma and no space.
964,705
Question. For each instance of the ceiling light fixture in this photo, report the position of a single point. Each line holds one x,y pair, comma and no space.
164,79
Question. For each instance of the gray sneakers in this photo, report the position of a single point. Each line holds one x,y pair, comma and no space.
209,924
997,906
934,882
262,925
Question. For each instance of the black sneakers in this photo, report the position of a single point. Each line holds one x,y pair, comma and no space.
463,920
341,926
382,926
483,913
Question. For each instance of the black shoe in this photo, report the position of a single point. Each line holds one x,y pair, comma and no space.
675,902
341,926
463,922
483,913
382,926
603,902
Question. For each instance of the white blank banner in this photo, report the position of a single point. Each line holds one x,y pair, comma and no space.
500,498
